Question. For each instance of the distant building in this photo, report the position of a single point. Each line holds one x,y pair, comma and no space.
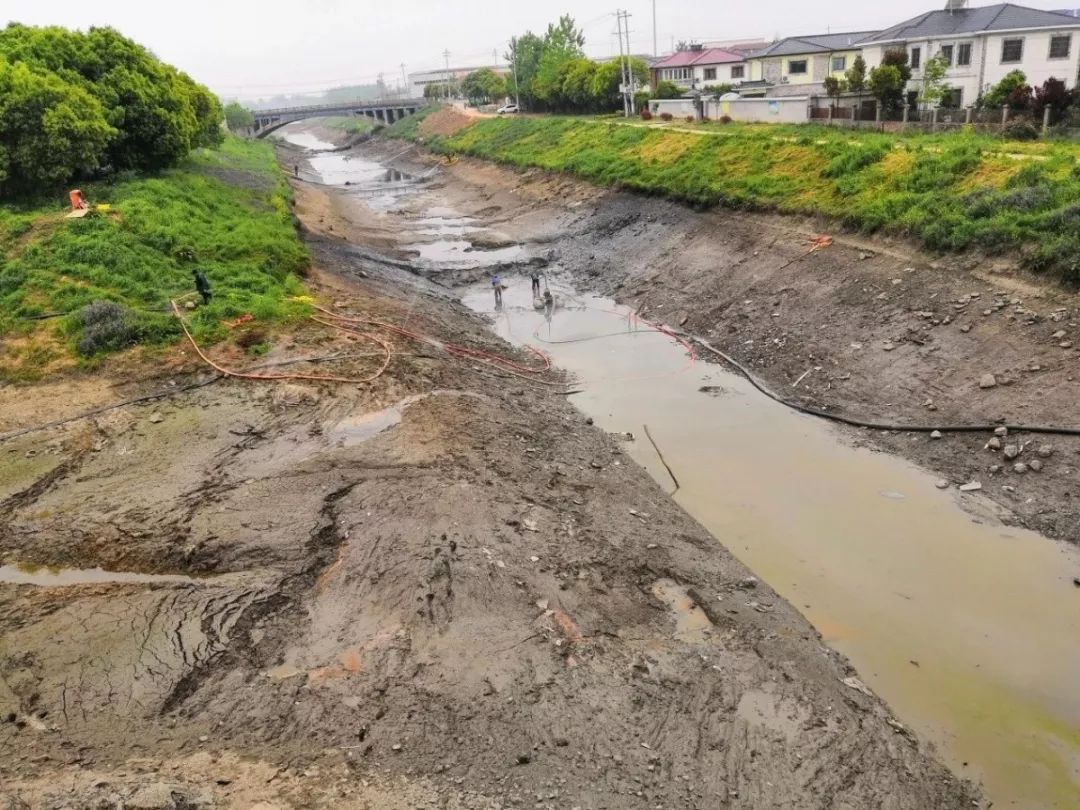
798,66
982,45
419,81
699,67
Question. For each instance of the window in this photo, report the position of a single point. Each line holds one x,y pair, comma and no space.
947,54
676,74
839,64
963,55
954,98
796,66
1060,46
916,58
1012,50
710,74
738,72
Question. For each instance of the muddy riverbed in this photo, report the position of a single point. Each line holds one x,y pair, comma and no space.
457,586
927,591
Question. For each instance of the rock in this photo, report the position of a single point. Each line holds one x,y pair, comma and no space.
974,486
396,747
1035,465
189,305
936,434
988,381
1020,468
942,484
1059,334
994,444
588,420
1001,431
1065,344
747,584
888,347
290,394
965,328
995,469
1012,451
163,796
524,759
1045,450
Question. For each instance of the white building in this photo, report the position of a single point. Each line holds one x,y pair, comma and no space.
698,68
982,45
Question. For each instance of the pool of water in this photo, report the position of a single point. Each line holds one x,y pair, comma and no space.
46,577
969,629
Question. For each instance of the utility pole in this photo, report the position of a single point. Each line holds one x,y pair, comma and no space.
446,56
404,81
622,62
628,70
517,87
655,47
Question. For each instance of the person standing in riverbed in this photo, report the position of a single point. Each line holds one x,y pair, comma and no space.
534,274
497,285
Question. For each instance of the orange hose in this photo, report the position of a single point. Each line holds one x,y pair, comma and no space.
311,377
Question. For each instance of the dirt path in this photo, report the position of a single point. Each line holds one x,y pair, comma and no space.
444,589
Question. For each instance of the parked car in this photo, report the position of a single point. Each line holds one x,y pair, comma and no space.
508,109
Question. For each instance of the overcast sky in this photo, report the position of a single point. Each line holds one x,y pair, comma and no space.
253,48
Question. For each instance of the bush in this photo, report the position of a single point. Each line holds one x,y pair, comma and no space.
690,119
104,326
705,119
646,115
725,119
1020,131
666,116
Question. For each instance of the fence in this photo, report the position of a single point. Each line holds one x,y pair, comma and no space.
869,115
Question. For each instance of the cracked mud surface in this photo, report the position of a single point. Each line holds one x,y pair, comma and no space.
458,610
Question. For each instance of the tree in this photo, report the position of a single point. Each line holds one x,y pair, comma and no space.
856,75
439,90
834,87
1057,97
1012,91
608,77
666,89
562,45
483,86
717,90
898,58
886,85
524,58
934,88
50,130
238,117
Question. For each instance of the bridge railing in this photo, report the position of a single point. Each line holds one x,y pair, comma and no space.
357,105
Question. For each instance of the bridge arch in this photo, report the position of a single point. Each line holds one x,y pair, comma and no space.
384,112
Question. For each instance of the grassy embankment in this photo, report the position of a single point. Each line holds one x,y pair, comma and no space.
949,191
229,207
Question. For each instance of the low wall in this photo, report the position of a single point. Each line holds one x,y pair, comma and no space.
678,107
794,110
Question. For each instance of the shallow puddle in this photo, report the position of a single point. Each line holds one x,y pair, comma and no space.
354,430
44,577
691,623
970,630
460,254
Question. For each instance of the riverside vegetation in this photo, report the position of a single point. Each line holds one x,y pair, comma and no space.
949,191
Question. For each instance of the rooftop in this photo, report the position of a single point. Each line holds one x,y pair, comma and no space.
1000,17
706,56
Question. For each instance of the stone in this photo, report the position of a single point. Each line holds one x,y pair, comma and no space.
1020,468
1001,431
888,347
995,469
936,434
1035,465
974,486
162,796
965,328
1012,451
994,444
524,759
987,381
1059,334
942,484
748,584
156,418
1065,344
1045,450
395,747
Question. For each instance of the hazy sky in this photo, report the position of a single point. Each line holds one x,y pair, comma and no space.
255,48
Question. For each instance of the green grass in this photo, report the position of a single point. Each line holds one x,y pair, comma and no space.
230,207
951,191
353,125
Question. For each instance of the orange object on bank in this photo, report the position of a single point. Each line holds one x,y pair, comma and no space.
77,201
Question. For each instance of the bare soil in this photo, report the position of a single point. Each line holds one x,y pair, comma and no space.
463,610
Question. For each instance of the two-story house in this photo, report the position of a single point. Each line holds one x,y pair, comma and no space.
698,68
798,66
982,45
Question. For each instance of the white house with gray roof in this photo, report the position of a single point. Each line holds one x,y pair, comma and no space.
984,44
798,66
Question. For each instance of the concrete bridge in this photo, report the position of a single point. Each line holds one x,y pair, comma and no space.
385,112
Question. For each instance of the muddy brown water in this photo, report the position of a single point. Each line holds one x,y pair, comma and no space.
967,628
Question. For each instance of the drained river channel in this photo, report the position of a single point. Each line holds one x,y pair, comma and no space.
969,629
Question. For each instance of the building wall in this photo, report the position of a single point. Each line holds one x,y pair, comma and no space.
819,66
723,74
986,68
766,110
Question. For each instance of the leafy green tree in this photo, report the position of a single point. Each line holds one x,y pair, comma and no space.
856,75
1013,89
898,58
238,117
934,87
577,84
483,86
524,58
886,84
608,77
1055,95
50,131
666,89
834,88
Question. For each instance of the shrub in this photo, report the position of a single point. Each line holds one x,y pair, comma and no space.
646,115
1020,131
705,119
725,119
690,119
104,326
666,116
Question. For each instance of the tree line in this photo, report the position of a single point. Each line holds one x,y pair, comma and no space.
81,104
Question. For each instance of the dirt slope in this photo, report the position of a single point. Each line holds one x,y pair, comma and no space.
484,605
